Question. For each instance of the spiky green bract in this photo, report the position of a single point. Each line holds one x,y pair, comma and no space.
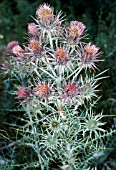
57,90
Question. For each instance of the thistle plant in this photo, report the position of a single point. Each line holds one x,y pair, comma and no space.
57,89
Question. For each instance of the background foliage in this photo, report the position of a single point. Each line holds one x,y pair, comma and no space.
99,18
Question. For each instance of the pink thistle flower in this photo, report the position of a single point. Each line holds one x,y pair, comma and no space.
60,54
35,45
70,88
21,92
71,92
76,29
45,13
32,29
91,50
17,50
42,89
11,45
89,56
25,94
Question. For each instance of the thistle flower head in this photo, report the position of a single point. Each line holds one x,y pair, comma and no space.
53,123
45,13
92,123
11,45
61,54
91,50
18,51
48,141
76,30
88,87
42,89
32,29
89,56
21,92
34,45
70,88
71,92
48,23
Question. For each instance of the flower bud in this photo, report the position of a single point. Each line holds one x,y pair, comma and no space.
11,45
32,29
17,50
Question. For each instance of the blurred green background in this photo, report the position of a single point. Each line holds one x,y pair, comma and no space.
99,16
